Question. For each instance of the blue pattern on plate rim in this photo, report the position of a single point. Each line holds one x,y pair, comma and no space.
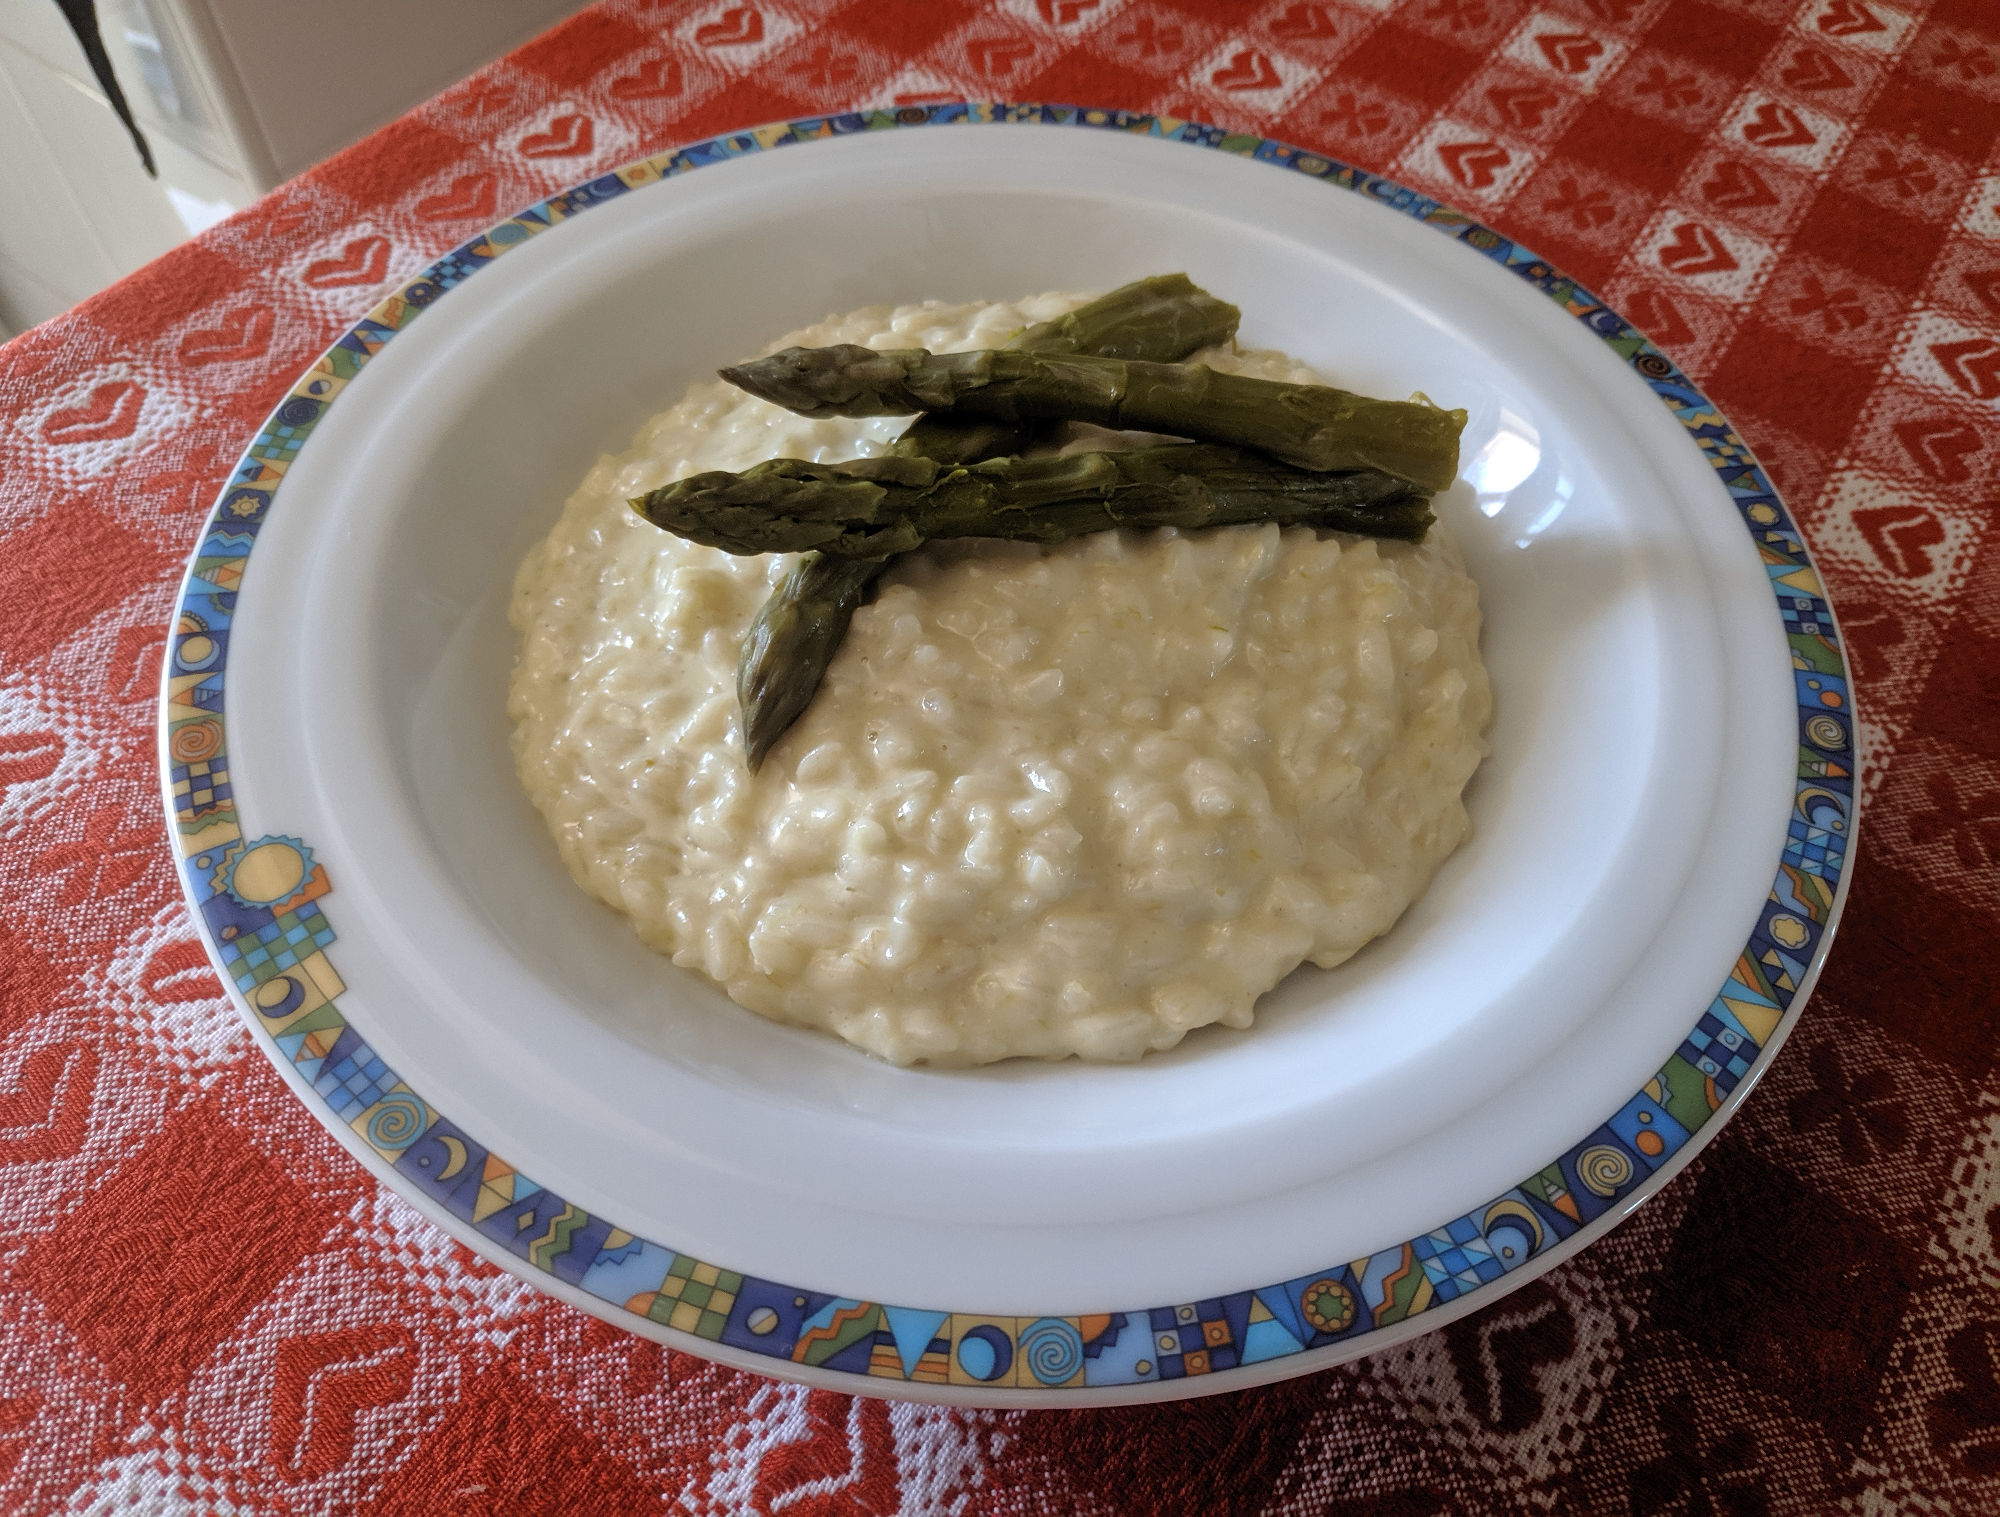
259,903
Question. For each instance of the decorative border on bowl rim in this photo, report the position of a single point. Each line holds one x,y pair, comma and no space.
259,903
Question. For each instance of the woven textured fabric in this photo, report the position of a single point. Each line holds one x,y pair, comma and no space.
205,1305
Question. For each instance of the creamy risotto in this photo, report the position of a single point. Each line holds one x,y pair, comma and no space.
1076,800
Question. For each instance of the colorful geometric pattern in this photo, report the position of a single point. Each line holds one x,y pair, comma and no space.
257,903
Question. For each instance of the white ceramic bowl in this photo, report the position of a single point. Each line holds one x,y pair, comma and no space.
1247,1206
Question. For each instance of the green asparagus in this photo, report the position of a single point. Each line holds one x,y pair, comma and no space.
1164,319
1309,426
878,506
800,626
792,641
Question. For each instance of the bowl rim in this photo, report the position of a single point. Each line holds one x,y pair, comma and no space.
284,986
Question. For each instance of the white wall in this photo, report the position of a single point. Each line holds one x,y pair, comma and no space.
311,76
80,209
240,95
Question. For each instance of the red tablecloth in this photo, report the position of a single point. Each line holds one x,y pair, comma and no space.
208,1306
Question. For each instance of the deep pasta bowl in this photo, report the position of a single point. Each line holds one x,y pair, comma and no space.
1574,1008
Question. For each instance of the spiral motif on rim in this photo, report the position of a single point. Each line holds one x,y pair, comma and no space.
1052,1349
194,741
396,1122
1603,1169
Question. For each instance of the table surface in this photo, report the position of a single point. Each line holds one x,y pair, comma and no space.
206,1305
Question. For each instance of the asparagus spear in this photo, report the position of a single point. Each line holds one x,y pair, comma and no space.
792,641
799,628
1164,319
1310,426
878,506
